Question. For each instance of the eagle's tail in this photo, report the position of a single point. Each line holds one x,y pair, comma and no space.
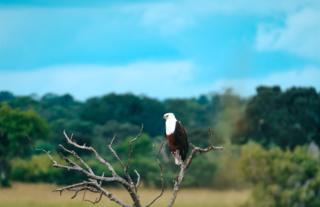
183,155
177,158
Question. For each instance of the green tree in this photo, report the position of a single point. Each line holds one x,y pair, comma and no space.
54,107
17,130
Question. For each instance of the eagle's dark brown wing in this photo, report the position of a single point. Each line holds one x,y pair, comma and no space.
181,140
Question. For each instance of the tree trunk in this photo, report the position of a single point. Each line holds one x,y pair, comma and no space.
4,173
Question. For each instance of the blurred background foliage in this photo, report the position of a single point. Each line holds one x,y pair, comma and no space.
282,177
271,139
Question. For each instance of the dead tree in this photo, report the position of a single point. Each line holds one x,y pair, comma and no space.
94,182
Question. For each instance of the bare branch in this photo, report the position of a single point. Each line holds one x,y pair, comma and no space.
94,183
130,186
177,183
115,154
97,200
73,186
134,139
138,179
161,177
112,197
91,149
184,166
198,150
75,167
74,154
92,187
100,182
162,186
125,167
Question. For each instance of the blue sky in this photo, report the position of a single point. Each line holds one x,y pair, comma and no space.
157,48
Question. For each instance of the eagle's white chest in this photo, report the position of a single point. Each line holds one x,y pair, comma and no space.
170,126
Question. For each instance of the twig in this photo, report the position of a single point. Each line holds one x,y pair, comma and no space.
162,186
134,139
138,179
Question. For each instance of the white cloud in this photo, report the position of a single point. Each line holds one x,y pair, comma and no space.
174,16
300,35
160,79
168,17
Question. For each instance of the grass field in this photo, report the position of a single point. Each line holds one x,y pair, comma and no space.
41,195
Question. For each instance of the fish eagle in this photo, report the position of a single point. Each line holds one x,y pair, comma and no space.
176,137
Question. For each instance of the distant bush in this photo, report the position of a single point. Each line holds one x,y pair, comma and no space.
281,178
39,169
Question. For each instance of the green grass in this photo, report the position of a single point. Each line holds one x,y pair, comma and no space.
41,195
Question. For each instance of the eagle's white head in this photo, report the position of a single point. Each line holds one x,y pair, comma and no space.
170,122
169,116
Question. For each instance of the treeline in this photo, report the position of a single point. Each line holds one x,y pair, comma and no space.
272,118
